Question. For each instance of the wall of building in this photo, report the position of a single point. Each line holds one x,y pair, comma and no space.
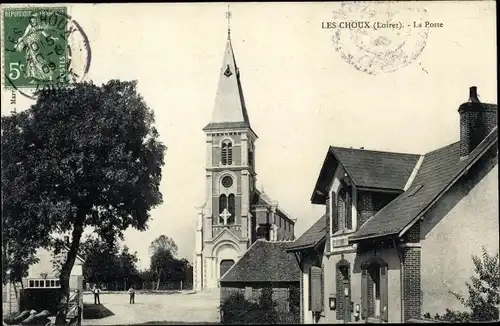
465,219
280,292
355,260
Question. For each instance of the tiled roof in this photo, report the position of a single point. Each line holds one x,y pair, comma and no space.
313,236
265,261
439,170
366,168
376,169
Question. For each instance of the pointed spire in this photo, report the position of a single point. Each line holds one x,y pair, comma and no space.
228,16
229,101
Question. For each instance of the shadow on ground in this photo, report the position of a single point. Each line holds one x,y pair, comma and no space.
95,311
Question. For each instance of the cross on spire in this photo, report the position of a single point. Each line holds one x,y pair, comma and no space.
225,215
228,16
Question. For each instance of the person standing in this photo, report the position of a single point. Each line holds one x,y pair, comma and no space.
96,291
131,292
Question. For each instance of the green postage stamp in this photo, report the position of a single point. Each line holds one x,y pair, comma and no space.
35,46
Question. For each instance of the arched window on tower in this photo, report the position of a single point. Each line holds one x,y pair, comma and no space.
222,206
227,152
231,209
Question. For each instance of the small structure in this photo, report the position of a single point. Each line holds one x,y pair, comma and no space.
265,272
39,290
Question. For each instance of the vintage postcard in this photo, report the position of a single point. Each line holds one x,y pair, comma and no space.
242,163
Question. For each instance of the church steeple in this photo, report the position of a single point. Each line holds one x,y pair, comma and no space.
229,101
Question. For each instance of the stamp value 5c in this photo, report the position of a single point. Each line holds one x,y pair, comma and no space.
35,46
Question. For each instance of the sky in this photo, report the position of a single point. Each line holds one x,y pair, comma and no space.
301,93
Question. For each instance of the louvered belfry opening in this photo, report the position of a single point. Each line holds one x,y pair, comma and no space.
226,152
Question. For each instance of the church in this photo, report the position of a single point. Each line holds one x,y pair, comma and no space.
235,214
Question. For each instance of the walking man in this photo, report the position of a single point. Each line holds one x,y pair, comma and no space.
96,291
131,292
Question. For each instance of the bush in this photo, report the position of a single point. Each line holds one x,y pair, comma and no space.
484,292
237,310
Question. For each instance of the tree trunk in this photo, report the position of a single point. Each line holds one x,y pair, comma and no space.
66,271
159,278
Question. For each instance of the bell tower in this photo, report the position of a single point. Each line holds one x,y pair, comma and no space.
226,230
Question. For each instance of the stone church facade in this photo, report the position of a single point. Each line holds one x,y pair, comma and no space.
235,214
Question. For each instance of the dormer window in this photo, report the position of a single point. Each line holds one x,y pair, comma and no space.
227,152
344,208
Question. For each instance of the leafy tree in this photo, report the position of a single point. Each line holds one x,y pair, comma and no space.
18,251
163,251
85,155
101,260
163,242
128,266
161,265
484,293
484,289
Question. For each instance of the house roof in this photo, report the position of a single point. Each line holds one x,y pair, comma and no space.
264,261
377,169
312,237
366,168
440,169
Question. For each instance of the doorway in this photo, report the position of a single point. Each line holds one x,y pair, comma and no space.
225,265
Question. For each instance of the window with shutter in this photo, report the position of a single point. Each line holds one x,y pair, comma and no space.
384,295
364,293
374,289
322,287
333,213
315,289
341,209
348,214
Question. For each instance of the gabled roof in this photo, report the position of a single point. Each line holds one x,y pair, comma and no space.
262,199
264,261
229,108
366,169
440,169
312,237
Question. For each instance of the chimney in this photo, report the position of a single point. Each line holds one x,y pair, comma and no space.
477,120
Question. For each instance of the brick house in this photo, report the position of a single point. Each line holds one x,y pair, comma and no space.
265,269
39,289
399,229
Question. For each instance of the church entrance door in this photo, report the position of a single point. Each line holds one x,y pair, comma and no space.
225,265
